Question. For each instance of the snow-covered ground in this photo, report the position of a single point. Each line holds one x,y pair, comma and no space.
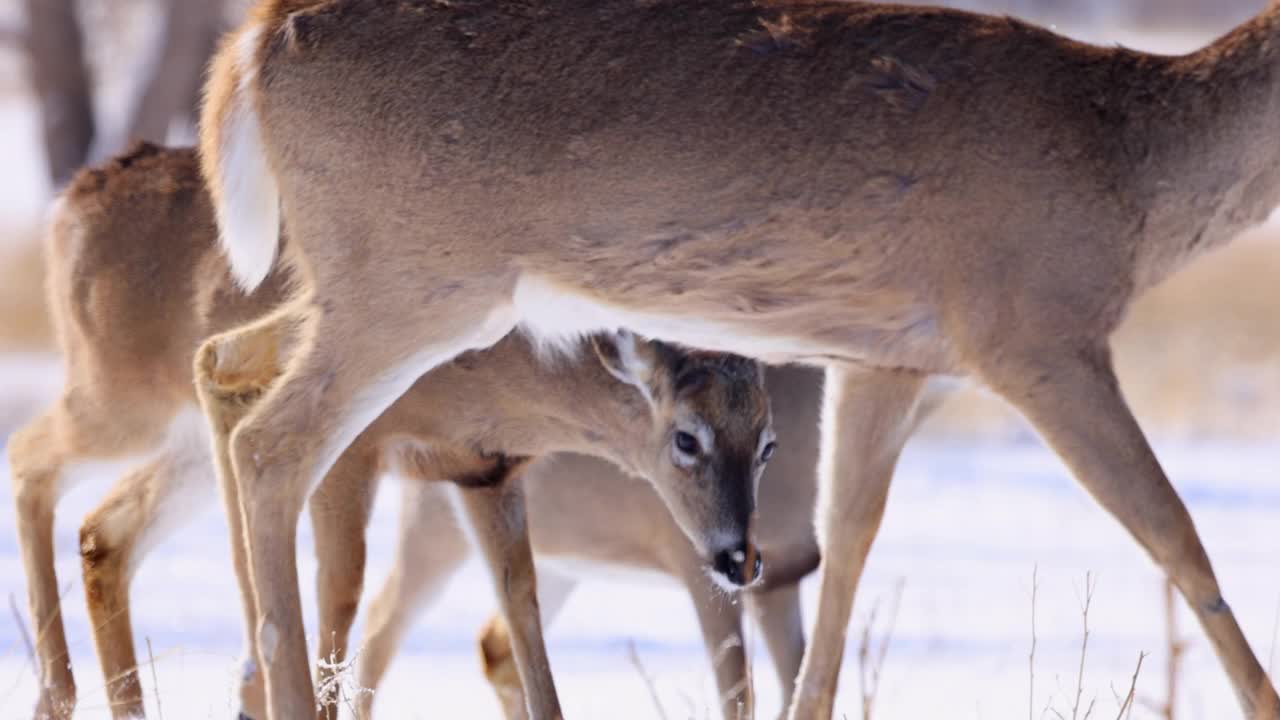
966,526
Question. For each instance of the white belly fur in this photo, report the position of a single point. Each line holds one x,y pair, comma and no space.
556,318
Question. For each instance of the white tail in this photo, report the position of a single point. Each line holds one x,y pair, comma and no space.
245,195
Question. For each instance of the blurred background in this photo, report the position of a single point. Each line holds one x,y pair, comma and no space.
978,503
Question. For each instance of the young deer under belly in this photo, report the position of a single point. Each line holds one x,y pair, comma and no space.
586,518
584,513
890,192
136,282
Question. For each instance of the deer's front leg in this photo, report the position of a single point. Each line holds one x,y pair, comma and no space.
35,471
1071,395
497,515
720,618
867,416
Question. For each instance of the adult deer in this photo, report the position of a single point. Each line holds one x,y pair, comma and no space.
889,192
137,235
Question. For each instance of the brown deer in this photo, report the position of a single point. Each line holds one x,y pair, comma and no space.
584,511
136,281
444,427
889,192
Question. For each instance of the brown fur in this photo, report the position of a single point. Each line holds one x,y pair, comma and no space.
122,293
891,192
578,509
477,421
136,282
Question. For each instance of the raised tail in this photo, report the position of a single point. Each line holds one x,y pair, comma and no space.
233,160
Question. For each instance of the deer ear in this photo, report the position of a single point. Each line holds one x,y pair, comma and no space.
626,357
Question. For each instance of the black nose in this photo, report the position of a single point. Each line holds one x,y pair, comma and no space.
740,565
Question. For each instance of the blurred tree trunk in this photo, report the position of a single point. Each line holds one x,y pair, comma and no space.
60,79
191,33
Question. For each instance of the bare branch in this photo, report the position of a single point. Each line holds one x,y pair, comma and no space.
871,665
25,635
1126,707
1089,710
1271,656
634,657
1176,649
155,679
1089,585
1031,661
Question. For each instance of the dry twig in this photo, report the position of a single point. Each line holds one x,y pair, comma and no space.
1176,648
1031,660
155,679
1126,707
871,665
634,657
1167,708
1089,585
339,685
26,637
1271,656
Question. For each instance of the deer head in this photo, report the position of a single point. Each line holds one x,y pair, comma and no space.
711,437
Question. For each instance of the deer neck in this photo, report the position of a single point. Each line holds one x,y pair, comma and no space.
570,405
1208,135
606,418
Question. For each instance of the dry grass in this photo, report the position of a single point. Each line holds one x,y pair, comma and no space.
24,323
1124,703
1175,647
871,657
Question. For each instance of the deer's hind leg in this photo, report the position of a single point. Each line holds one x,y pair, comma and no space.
39,453
144,508
345,370
1071,395
431,546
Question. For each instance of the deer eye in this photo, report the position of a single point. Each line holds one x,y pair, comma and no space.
768,451
686,443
